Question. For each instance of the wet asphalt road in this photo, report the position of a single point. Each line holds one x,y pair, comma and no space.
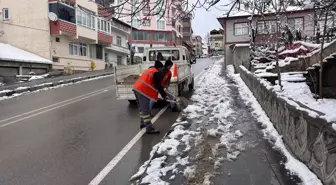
66,136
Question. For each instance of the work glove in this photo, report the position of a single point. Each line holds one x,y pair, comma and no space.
166,98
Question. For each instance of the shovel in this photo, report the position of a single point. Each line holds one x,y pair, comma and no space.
180,102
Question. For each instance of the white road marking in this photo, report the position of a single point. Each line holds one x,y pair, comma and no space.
199,75
53,108
39,109
109,167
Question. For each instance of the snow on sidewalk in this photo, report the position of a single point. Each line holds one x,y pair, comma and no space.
218,140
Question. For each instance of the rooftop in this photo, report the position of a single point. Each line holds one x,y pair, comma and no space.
11,53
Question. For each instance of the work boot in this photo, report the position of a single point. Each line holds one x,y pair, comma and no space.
176,109
151,130
142,124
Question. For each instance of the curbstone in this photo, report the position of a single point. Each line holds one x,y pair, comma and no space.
49,84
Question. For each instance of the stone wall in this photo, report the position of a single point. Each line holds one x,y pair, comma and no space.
311,140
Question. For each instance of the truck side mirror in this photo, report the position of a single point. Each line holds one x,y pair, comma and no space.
144,58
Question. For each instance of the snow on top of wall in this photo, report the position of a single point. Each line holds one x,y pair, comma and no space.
11,53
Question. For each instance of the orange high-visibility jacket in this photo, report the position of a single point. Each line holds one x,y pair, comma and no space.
165,78
145,84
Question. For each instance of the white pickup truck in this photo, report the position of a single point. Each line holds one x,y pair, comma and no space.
125,76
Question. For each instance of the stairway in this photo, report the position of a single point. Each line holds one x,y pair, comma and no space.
328,78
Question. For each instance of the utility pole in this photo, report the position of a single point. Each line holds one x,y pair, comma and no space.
131,33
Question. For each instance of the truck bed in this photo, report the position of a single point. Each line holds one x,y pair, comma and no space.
126,76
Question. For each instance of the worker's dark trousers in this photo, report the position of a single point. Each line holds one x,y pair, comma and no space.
144,109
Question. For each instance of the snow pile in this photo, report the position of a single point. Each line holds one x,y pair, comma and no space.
37,77
300,92
292,164
174,146
11,53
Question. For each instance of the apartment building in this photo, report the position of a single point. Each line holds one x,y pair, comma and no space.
152,31
217,42
188,31
71,33
197,45
237,29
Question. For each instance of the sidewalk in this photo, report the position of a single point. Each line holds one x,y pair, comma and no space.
8,90
224,138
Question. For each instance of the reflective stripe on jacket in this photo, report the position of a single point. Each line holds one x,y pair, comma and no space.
165,78
145,84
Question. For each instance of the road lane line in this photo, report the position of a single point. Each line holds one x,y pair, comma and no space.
52,105
53,108
109,167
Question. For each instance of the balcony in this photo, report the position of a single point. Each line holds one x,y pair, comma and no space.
119,49
61,27
120,26
104,38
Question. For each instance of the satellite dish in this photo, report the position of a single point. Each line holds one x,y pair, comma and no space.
52,16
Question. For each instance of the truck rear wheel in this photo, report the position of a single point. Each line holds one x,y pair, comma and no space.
191,85
180,89
133,102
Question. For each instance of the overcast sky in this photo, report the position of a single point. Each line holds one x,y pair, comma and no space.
205,21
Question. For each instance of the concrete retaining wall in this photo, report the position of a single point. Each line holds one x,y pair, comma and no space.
241,56
311,140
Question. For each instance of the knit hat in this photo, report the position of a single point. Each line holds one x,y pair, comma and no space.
158,64
168,63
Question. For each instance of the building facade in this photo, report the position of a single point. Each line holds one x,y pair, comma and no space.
188,33
237,29
72,33
217,42
197,46
158,30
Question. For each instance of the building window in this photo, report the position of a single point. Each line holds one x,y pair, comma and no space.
136,23
241,29
119,60
162,37
104,26
266,27
85,19
5,14
296,23
164,55
146,22
140,36
118,40
63,11
99,51
161,25
77,49
141,49
146,10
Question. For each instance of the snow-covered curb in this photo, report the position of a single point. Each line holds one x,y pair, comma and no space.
8,94
270,133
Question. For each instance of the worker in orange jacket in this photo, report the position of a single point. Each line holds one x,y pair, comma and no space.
166,77
147,88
